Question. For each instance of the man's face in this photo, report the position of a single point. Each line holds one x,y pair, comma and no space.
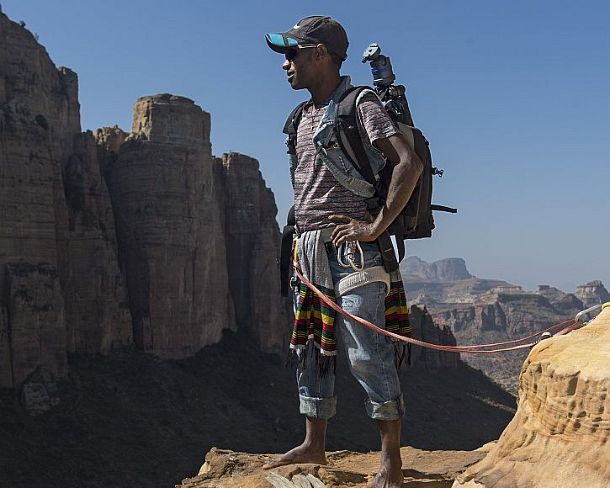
300,66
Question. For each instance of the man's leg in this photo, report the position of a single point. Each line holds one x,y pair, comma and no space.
390,472
371,360
317,404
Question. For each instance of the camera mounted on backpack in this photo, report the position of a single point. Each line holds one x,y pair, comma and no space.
393,96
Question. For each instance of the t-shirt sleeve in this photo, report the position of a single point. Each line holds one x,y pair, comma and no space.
375,121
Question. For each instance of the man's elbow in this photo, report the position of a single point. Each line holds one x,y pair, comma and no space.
413,165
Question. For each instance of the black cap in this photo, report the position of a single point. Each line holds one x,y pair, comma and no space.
311,31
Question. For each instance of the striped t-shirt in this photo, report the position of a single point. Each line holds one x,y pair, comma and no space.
317,194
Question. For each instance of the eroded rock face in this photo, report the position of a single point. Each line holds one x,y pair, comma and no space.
425,329
499,317
54,209
97,309
169,227
592,293
33,324
559,437
253,253
144,262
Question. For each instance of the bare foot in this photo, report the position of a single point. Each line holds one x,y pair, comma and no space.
302,454
389,476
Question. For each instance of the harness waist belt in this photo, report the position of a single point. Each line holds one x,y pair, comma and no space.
359,278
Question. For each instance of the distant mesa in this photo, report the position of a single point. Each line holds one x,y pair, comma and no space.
592,293
449,269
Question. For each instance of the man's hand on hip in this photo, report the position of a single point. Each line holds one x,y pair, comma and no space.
351,230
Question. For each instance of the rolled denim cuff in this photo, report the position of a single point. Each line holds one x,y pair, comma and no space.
319,408
390,410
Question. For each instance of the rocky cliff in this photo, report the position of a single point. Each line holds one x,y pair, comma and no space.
168,209
115,239
479,311
56,226
592,293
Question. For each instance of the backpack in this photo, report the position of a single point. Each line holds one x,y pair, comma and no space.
415,221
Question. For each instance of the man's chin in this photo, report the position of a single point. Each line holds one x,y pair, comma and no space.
294,84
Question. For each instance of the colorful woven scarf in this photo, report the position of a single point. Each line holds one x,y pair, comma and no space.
314,323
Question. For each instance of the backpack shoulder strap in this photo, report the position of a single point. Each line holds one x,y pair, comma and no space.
348,134
291,125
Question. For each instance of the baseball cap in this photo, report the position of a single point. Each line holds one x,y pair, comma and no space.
312,30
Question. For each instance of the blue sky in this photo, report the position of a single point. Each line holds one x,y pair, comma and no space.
513,96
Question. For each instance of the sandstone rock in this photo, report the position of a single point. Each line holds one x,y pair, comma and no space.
425,329
559,435
97,309
592,293
253,254
432,469
34,324
169,228
171,119
54,205
147,260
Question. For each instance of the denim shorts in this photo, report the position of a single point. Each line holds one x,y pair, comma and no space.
370,355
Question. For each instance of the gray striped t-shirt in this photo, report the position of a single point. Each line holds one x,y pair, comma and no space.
317,194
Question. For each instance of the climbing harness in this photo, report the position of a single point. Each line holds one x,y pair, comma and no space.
349,250
568,326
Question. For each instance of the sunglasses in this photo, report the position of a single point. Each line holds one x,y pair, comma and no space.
292,53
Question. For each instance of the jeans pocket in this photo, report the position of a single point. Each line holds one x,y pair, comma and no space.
372,254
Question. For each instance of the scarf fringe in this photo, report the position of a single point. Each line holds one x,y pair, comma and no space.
298,356
402,351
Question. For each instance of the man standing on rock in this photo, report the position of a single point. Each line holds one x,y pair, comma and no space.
337,239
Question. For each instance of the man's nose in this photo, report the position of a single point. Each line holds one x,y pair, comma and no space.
286,65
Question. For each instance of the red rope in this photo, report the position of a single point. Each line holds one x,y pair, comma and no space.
428,345
493,344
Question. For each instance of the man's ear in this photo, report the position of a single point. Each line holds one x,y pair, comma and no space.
321,51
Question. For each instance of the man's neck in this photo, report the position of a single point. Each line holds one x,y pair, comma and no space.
324,89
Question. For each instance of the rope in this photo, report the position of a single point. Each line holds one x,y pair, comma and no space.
548,329
428,345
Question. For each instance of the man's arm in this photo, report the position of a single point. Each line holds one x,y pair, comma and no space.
407,168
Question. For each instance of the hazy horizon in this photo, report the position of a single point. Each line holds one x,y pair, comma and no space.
512,96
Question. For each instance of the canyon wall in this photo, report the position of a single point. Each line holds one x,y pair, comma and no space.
480,311
113,239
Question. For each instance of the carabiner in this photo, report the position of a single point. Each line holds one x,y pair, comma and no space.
589,311
349,249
